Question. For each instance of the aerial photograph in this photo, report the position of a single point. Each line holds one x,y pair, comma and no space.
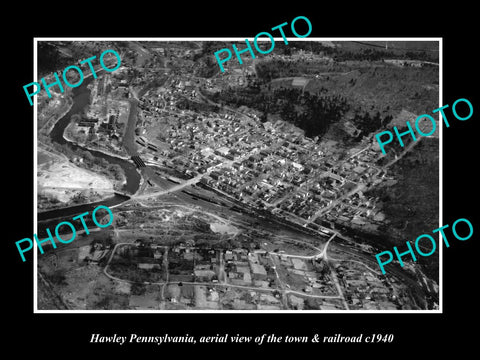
258,188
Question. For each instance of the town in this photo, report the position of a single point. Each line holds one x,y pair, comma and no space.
227,206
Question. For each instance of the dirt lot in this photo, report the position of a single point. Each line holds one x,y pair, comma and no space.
59,179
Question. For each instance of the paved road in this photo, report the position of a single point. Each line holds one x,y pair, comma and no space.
252,288
321,255
195,179
357,188
359,262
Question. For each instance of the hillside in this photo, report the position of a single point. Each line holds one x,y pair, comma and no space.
411,205
54,56
373,92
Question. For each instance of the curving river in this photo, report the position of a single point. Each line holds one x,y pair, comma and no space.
81,98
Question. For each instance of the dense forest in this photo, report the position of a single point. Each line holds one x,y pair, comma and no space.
368,123
49,58
57,55
412,205
311,112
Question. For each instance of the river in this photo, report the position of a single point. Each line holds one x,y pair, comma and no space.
81,98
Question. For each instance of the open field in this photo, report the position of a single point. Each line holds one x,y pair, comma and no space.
61,182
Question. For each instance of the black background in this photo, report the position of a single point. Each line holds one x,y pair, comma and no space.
60,335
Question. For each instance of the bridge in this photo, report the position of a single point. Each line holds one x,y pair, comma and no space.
138,161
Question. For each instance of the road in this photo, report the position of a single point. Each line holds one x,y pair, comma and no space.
280,282
359,262
283,290
195,179
407,149
357,188
321,255
110,259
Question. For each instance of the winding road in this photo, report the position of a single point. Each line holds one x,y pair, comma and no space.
283,289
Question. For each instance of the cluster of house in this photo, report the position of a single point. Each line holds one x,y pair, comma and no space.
314,276
249,268
357,211
193,142
365,291
290,175
93,252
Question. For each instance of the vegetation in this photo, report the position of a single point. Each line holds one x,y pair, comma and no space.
90,162
351,50
310,112
206,67
346,51
279,68
367,94
49,58
138,289
57,277
53,56
205,62
411,205
108,301
126,270
367,123
186,104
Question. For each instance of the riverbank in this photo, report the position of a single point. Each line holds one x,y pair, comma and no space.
60,183
130,180
89,148
47,127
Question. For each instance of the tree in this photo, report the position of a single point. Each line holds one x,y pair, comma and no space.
87,155
138,289
58,277
115,170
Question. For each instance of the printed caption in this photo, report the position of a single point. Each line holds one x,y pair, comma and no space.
239,339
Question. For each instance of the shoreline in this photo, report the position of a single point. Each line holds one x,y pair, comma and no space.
48,129
93,149
102,195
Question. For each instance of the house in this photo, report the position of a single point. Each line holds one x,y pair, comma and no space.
259,271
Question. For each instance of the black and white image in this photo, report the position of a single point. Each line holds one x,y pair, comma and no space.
261,188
